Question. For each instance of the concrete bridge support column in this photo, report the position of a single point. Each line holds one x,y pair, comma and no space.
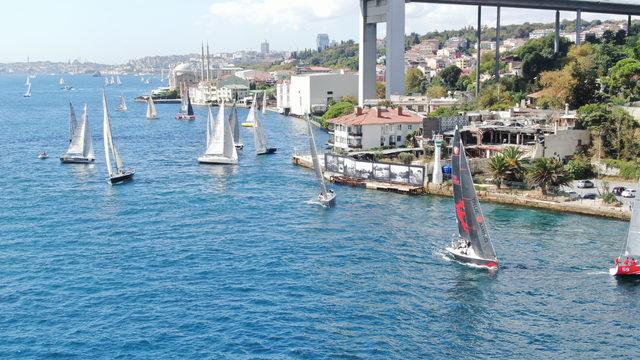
395,47
498,43
479,36
579,27
629,25
368,56
556,44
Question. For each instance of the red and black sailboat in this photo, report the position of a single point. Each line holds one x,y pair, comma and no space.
628,264
473,244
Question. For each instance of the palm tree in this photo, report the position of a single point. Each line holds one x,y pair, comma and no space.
499,168
513,156
547,174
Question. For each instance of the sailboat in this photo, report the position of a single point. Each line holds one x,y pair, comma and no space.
120,174
186,110
28,81
220,147
106,81
123,104
118,82
151,108
631,251
264,103
28,93
235,127
251,116
61,81
259,137
473,245
80,148
325,197
112,80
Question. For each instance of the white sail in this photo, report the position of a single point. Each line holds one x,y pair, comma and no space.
314,157
112,80
251,116
73,122
61,81
151,109
28,93
260,138
235,126
215,143
118,80
123,104
264,103
106,81
109,147
632,246
28,80
87,150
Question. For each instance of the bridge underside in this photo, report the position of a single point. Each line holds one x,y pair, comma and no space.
627,7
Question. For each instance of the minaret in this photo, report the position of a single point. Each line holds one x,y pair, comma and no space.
437,168
208,63
202,58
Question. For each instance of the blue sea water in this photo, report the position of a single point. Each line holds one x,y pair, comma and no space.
194,261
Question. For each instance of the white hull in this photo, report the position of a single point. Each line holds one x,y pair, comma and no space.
328,199
76,159
213,159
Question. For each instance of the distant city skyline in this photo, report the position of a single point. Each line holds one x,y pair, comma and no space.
116,31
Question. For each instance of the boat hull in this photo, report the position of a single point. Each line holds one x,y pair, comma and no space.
185,117
268,151
329,200
121,178
625,270
76,160
216,160
239,146
486,263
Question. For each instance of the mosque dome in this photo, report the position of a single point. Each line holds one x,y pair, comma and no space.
183,68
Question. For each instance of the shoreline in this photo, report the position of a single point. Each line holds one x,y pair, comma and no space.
520,200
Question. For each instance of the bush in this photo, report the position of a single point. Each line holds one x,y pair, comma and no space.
336,110
580,168
628,169
406,158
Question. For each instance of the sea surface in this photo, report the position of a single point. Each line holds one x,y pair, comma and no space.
191,261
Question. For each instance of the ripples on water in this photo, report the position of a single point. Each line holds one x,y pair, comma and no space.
192,261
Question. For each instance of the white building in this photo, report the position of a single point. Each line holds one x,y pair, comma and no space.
371,128
282,97
312,93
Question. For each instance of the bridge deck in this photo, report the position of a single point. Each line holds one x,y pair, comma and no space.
619,7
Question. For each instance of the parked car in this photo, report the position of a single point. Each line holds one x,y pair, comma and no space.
618,190
573,195
584,184
629,193
590,196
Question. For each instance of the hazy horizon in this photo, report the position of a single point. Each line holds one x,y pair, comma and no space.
117,31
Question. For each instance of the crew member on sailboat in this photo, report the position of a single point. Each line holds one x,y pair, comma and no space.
473,245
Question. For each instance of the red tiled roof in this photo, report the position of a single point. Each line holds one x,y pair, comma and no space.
370,117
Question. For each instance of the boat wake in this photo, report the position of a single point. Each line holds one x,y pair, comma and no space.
598,272
316,202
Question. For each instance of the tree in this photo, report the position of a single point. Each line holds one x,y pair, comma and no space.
548,174
615,128
450,76
513,156
499,169
414,81
381,90
623,78
336,110
406,157
436,91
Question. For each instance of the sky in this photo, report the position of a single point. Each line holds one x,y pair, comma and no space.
115,31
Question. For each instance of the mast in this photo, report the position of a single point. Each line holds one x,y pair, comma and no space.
632,245
314,157
478,233
106,134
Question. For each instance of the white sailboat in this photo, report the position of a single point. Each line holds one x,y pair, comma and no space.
80,148
112,81
120,174
28,81
264,103
235,127
220,146
61,81
106,81
118,82
259,136
28,93
629,266
325,197
151,109
123,104
251,116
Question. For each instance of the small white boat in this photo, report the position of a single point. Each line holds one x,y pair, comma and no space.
251,116
151,108
325,197
28,93
43,155
220,146
123,104
120,174
61,81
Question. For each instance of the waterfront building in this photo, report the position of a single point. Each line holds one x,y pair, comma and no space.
322,41
184,73
365,129
312,93
282,97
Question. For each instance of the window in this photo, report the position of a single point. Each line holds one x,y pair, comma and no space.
381,141
329,92
400,127
409,127
399,138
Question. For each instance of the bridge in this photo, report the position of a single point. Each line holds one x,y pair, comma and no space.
392,12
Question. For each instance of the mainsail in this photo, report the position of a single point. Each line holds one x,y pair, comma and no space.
61,82
73,122
314,157
106,81
260,138
477,229
219,138
251,116
123,104
28,80
28,93
80,144
109,147
151,109
632,246
235,126
118,80
463,228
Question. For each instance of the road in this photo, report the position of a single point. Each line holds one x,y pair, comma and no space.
598,186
